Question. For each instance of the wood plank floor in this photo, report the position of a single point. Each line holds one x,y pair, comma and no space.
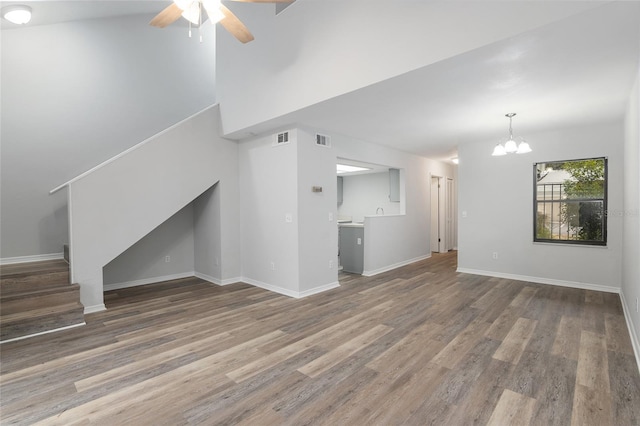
418,345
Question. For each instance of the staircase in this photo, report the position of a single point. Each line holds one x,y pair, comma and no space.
37,298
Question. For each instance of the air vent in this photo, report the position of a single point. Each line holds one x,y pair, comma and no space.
323,140
284,137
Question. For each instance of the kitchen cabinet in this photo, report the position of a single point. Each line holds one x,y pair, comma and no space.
352,247
394,185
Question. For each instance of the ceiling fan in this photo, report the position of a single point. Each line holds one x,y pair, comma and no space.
191,10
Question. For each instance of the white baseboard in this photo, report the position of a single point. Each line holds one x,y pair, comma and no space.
320,289
540,280
394,266
217,281
287,292
633,333
94,308
270,287
228,281
43,332
34,258
145,281
208,278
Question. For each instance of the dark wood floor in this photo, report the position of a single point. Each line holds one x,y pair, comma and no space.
418,345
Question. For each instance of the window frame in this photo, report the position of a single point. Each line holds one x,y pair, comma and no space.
604,200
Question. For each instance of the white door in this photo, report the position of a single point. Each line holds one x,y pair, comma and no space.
435,214
449,214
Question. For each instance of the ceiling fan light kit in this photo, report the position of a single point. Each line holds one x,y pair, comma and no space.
511,146
191,10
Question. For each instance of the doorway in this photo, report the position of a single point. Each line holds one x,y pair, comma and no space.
435,214
442,224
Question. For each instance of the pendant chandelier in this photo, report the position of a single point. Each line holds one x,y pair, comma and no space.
510,146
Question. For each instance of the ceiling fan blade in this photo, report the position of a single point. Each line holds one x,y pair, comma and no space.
169,15
232,24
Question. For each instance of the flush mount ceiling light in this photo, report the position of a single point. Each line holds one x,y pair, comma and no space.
344,168
510,146
455,160
18,14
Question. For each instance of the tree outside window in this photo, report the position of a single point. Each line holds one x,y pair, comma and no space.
571,201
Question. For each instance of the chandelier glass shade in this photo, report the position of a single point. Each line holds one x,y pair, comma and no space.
511,146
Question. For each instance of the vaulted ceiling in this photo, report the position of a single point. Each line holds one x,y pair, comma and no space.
574,71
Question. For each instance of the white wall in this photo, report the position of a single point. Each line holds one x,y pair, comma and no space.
116,205
631,215
363,194
306,54
268,192
318,236
77,93
145,260
278,180
391,241
497,195
207,235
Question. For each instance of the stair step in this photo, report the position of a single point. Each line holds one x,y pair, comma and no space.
33,268
33,283
36,298
52,296
40,320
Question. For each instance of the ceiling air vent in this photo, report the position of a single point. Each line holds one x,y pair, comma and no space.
323,140
284,137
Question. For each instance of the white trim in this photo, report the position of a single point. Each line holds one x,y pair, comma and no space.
34,258
217,281
394,266
208,278
123,153
287,292
320,289
228,281
540,280
271,287
71,241
635,341
94,308
43,332
145,281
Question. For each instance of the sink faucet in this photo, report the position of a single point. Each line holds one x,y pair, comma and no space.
380,209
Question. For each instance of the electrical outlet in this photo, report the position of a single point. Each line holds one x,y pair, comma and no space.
359,241
288,218
167,259
330,264
495,255
273,266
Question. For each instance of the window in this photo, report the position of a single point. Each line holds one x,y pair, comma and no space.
570,202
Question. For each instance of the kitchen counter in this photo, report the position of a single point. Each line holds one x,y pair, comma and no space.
351,225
